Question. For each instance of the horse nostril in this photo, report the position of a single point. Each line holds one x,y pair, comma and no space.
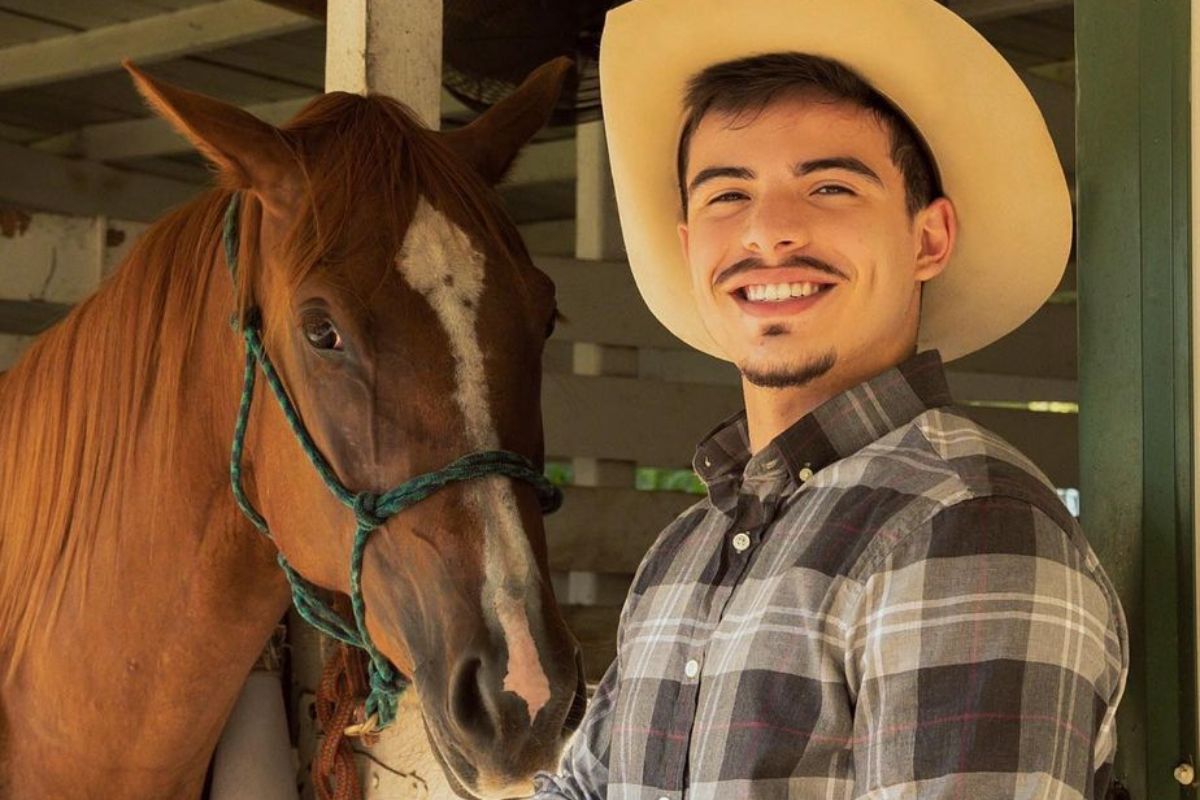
469,706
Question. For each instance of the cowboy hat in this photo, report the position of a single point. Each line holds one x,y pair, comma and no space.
993,152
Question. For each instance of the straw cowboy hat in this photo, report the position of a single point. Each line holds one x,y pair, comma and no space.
988,138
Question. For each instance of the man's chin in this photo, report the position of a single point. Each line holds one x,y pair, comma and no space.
783,373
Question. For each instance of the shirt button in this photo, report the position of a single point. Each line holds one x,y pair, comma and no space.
691,668
806,475
741,542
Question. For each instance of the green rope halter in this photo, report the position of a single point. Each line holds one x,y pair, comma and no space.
371,510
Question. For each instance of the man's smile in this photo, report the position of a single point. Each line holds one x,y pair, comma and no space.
779,291
778,300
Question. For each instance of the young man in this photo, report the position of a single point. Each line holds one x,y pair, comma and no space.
878,598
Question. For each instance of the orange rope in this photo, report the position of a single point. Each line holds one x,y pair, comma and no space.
339,703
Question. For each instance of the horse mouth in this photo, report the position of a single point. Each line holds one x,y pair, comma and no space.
450,770
455,766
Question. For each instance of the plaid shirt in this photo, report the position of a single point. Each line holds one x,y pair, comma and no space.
888,601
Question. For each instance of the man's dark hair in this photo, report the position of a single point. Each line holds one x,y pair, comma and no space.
749,85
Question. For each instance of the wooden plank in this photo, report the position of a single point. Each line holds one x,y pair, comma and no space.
146,41
11,348
602,304
151,136
296,58
591,588
656,424
142,138
85,15
608,530
552,238
1046,347
29,317
1050,440
544,162
19,29
39,181
690,366
596,629
975,11
982,386
659,424
1057,104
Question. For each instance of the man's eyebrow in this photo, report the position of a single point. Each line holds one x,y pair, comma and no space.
711,173
848,163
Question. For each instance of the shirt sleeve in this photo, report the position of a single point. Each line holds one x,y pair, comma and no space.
583,770
985,659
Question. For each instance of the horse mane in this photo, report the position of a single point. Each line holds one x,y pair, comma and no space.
75,407
72,407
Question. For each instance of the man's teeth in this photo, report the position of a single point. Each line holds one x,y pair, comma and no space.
778,292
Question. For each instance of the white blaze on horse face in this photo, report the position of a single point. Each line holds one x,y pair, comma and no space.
439,261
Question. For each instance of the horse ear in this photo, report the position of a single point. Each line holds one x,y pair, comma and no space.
492,141
249,153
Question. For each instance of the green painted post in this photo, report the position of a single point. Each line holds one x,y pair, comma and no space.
1134,254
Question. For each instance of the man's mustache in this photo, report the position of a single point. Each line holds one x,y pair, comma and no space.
754,262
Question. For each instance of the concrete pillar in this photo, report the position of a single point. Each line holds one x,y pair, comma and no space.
387,47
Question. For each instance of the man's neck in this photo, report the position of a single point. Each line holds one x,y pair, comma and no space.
769,412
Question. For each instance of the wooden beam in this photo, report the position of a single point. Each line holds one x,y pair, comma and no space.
605,529
540,162
145,41
147,138
29,317
976,11
40,181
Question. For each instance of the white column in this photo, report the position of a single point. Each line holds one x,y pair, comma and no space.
388,47
254,759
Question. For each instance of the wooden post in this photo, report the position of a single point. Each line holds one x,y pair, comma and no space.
1136,374
597,238
389,48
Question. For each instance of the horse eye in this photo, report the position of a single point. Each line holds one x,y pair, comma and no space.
321,334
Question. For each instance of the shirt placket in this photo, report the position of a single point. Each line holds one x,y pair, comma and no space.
739,541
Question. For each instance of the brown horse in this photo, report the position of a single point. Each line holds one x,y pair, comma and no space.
407,323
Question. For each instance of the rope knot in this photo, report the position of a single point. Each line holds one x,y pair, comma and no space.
364,510
386,687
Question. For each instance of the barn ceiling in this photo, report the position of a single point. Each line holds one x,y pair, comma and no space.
69,117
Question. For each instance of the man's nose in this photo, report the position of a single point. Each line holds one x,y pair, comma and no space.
777,224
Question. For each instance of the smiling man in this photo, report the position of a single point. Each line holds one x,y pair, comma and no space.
878,597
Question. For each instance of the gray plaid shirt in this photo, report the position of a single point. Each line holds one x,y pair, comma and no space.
888,601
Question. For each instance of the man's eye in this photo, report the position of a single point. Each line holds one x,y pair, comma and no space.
727,197
832,189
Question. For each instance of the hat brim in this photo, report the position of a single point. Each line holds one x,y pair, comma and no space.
994,153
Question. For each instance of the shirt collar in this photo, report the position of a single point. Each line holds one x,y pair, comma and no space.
839,427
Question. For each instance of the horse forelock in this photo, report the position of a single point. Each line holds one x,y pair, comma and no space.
366,164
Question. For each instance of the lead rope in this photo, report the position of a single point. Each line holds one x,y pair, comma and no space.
371,511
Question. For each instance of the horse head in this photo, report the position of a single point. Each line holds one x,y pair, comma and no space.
406,321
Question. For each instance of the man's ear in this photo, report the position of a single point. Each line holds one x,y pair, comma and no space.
247,152
936,227
683,239
491,142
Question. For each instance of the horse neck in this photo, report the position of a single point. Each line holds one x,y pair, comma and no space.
166,594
